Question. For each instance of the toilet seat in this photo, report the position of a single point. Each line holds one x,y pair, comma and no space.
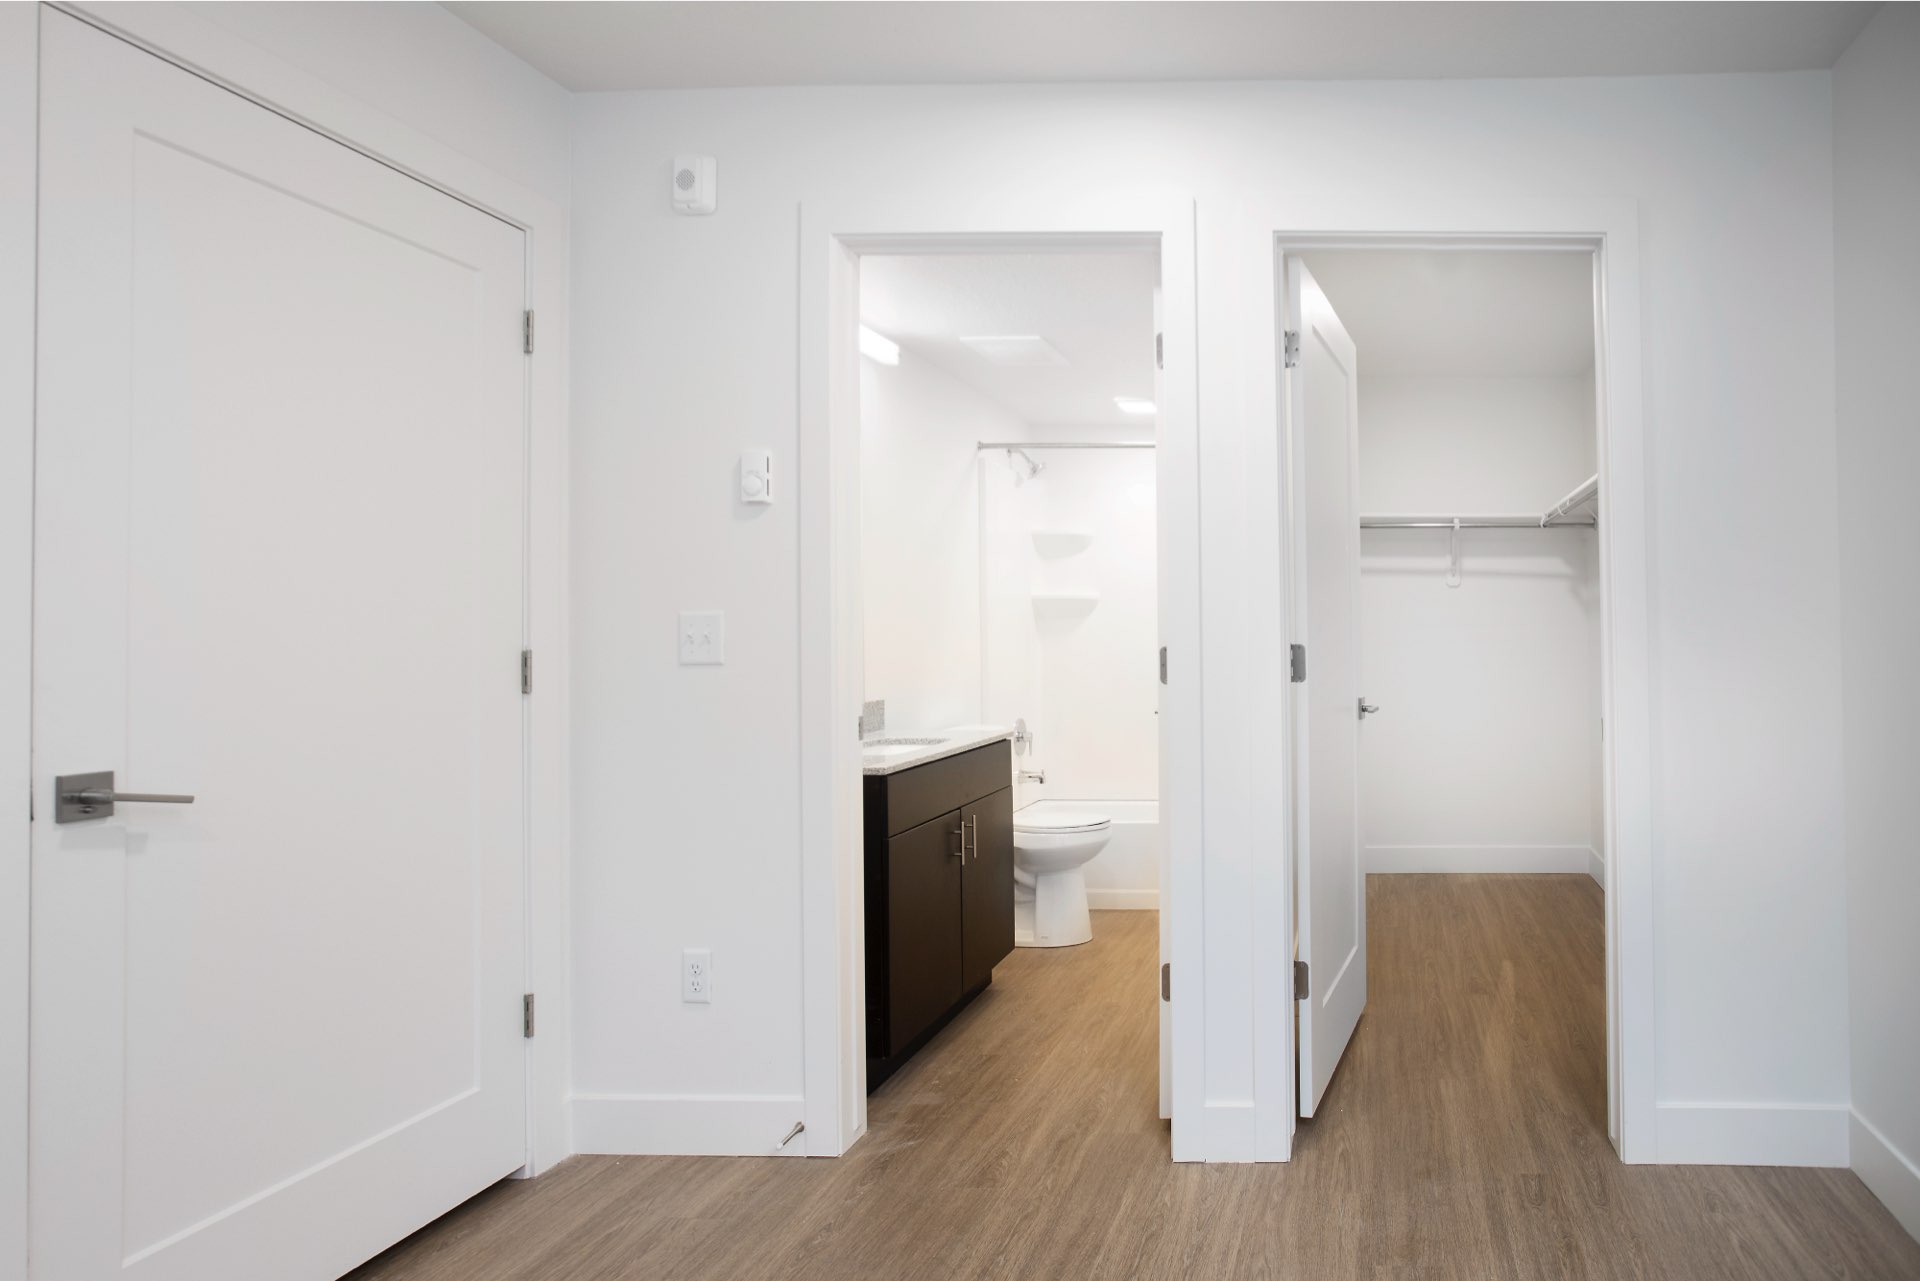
1061,821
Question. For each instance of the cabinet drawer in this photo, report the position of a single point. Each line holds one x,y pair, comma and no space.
927,791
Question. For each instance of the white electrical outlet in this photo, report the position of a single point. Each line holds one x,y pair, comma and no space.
703,637
696,975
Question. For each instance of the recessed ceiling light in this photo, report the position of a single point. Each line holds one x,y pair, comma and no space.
1028,350
879,348
1134,405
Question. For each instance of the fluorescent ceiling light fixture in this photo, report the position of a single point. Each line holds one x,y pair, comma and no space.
1134,405
876,347
1019,350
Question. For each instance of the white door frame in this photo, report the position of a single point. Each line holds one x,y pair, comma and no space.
180,36
1609,229
832,942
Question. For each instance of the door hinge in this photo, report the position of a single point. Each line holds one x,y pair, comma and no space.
526,332
1163,664
1166,981
1300,986
1297,663
526,1015
1159,351
526,671
1290,348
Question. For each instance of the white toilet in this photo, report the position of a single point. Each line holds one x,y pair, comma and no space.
1050,847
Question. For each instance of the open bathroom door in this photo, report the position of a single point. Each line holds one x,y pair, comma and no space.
1330,901
1166,860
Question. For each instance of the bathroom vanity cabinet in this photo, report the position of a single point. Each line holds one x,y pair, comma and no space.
939,896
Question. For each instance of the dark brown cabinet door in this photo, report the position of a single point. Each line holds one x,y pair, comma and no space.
987,889
923,927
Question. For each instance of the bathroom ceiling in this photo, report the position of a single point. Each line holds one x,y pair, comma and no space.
1522,313
721,44
1095,309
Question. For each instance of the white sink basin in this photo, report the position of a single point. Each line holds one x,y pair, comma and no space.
881,748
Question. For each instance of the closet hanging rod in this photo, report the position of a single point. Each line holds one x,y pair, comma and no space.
1585,492
1468,522
1064,444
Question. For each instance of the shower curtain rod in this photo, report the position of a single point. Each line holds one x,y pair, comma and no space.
1064,444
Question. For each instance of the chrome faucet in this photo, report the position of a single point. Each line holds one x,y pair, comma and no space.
1033,776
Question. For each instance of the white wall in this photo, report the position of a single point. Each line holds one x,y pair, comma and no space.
920,539
419,64
687,350
1876,212
1484,756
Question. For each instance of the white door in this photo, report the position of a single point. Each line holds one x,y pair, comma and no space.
1323,407
1160,749
278,565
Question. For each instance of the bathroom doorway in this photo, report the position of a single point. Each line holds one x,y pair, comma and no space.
1444,412
1010,424
1010,633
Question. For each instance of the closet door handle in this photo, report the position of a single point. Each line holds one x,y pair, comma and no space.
1367,709
77,797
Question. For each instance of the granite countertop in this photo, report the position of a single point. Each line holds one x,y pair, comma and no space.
945,742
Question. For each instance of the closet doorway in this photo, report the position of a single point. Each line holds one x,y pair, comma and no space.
1443,411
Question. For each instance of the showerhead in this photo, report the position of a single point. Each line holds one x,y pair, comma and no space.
1034,465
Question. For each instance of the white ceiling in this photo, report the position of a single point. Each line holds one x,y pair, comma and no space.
674,44
1520,313
1095,308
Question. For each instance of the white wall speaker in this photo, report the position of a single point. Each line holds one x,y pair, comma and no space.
693,185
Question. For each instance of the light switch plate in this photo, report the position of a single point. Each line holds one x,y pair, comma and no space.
756,476
703,637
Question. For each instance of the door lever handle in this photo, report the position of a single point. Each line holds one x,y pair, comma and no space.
1367,709
84,796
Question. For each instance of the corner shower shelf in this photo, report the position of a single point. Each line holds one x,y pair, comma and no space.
1064,604
1053,543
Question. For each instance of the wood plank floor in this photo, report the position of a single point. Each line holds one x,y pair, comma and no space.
1463,1136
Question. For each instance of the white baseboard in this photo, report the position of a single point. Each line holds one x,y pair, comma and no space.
1889,1173
1597,867
685,1124
1478,858
1813,1134
1123,900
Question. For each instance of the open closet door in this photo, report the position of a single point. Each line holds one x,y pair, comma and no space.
1323,405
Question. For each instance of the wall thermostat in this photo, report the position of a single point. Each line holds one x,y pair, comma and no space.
693,185
756,476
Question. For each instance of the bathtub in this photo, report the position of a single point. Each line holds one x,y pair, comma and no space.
1126,874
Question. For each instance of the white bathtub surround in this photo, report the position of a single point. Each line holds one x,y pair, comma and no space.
1086,559
1126,874
892,752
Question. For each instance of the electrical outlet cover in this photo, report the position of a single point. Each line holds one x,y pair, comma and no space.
696,975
